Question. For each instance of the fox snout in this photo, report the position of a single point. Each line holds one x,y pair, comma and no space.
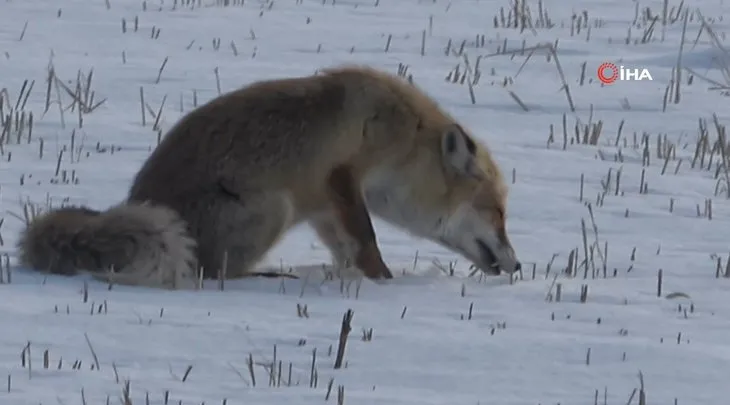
480,239
493,262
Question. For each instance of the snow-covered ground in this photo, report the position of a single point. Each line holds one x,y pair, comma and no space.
438,337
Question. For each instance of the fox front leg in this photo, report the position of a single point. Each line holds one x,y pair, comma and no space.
348,231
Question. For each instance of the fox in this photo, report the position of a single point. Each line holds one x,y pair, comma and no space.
334,150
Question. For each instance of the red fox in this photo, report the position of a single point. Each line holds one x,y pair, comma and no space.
330,149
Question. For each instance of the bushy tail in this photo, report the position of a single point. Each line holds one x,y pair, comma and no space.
133,244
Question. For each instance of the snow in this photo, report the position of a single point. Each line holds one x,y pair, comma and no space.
437,338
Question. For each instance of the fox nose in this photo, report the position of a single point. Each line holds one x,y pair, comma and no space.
518,266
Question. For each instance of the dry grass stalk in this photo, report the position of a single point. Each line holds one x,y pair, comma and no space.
344,333
678,69
93,352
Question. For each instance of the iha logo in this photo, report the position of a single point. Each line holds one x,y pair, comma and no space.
608,73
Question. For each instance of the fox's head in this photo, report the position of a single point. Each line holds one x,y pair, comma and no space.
450,191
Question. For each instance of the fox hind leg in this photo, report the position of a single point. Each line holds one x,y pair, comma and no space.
242,232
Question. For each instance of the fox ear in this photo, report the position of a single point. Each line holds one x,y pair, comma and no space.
458,152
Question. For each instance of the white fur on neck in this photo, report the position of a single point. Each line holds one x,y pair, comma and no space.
390,197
